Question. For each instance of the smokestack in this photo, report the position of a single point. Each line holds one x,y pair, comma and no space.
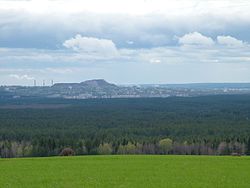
34,83
52,82
43,83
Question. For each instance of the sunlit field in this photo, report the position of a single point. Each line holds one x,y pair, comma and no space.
126,171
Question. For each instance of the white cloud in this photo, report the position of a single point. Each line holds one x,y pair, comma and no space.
91,45
155,61
136,7
73,66
195,38
65,59
21,77
146,27
20,28
229,41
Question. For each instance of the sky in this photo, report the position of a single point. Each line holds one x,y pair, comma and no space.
124,41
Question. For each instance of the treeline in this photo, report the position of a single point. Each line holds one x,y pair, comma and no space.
164,146
211,125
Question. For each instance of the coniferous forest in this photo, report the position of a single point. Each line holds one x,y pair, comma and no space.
207,125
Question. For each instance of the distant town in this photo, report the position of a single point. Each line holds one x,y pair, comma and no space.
100,88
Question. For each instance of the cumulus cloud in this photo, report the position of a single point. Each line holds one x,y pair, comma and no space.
21,77
199,39
91,45
195,38
229,41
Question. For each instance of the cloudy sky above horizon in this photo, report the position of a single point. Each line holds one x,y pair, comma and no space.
124,42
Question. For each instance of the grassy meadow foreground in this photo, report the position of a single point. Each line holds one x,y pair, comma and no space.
126,171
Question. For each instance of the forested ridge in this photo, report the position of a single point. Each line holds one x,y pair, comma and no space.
214,125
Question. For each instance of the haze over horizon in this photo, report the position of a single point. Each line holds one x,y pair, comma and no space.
41,83
125,42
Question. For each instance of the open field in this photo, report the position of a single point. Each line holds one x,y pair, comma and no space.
126,171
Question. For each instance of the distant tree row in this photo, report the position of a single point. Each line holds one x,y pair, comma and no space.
164,146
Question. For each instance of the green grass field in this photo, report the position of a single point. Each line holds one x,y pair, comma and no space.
126,171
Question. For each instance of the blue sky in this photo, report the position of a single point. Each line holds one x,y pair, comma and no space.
132,41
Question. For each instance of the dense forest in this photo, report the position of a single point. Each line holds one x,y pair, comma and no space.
208,125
